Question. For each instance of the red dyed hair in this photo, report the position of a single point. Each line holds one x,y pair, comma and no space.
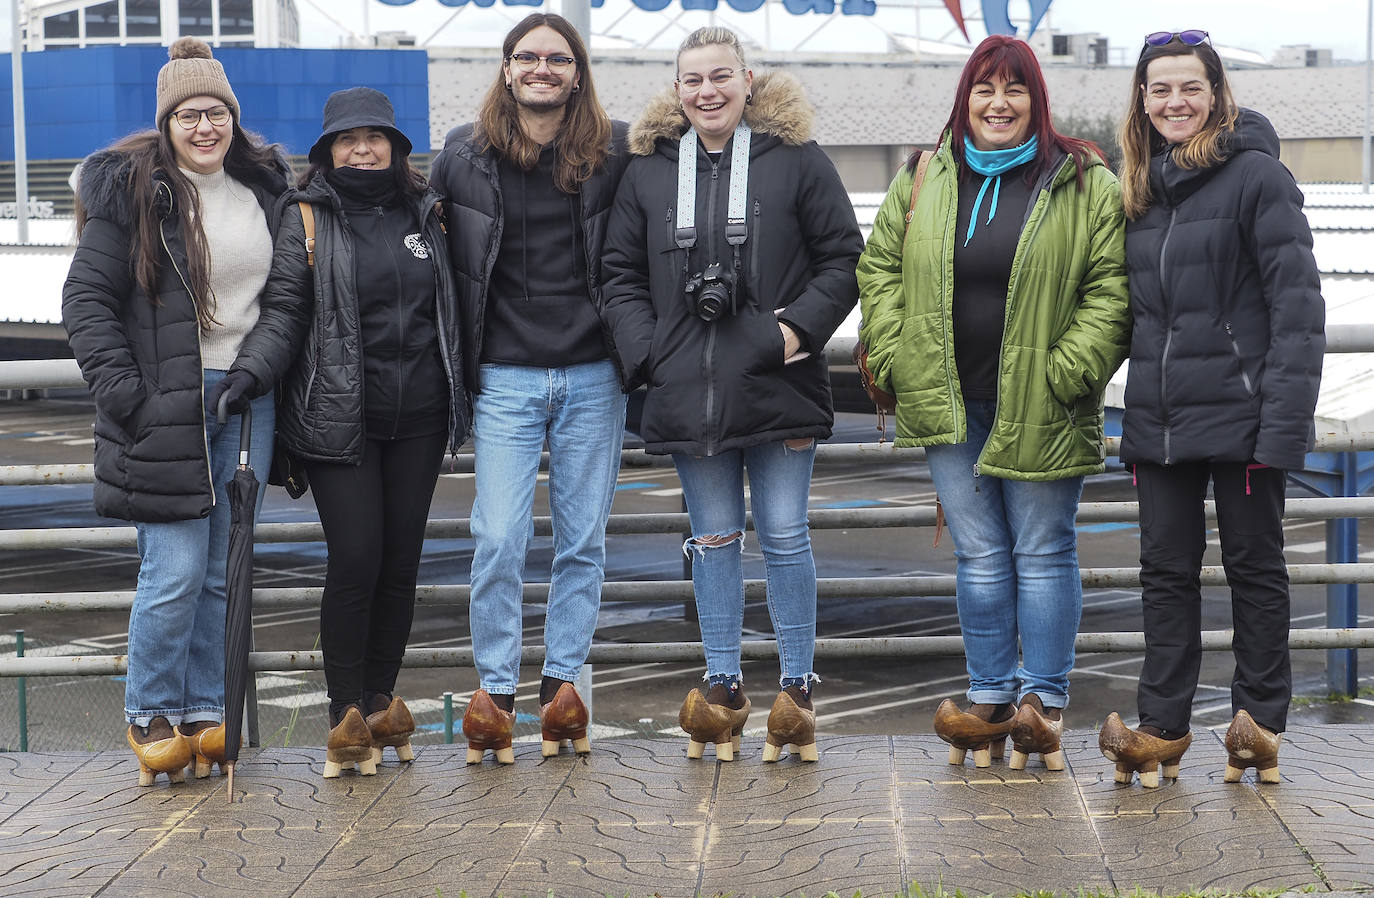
1014,60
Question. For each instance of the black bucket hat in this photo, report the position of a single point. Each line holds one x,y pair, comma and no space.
358,107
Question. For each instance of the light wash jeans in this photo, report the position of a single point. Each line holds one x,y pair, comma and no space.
779,484
1016,570
580,411
176,627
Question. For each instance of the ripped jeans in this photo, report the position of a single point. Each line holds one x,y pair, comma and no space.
779,484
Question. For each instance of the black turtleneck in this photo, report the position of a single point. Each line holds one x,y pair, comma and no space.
405,390
538,310
982,274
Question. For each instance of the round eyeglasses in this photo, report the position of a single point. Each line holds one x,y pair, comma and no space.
528,62
190,118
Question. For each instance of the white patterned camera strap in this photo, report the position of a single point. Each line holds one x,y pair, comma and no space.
736,231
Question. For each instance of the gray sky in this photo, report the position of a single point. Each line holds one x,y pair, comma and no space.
1260,25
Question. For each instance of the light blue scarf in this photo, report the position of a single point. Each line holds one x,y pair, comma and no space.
991,164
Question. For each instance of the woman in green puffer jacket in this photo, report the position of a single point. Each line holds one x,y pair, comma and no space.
996,318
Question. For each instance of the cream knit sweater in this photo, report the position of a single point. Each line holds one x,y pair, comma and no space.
240,258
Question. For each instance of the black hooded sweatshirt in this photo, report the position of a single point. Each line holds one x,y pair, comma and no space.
405,391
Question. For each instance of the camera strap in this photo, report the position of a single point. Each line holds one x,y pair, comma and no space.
736,231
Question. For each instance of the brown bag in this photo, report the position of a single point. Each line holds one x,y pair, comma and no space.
885,401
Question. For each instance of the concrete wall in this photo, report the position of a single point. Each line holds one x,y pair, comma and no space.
870,109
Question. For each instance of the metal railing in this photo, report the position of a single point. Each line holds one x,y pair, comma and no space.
64,374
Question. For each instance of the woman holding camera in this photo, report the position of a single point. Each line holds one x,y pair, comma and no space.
729,263
996,317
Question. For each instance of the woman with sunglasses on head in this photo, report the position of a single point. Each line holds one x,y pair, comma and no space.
375,397
996,318
727,324
1226,359
166,314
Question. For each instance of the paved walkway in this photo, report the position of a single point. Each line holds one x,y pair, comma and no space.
637,818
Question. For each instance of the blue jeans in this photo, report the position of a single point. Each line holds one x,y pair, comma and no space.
176,627
779,484
580,411
1016,570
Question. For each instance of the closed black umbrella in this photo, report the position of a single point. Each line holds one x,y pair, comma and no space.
238,612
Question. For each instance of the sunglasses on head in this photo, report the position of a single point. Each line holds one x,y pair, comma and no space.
1189,38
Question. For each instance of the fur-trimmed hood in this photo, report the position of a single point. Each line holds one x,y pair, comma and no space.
779,108
103,185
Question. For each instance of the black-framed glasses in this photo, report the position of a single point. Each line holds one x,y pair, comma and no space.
1190,38
190,118
692,82
528,62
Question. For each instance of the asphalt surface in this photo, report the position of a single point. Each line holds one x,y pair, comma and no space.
859,696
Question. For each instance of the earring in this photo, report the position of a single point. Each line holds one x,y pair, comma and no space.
576,88
748,99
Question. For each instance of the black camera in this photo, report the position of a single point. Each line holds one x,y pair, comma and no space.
711,292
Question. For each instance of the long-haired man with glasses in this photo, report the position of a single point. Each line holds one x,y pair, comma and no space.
528,188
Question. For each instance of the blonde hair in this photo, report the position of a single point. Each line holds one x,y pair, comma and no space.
1139,140
712,36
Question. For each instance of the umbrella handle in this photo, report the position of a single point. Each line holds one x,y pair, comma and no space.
245,427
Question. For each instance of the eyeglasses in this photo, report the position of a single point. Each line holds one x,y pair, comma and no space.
528,62
693,82
190,118
1189,38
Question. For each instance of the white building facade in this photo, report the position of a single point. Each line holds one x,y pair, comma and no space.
59,24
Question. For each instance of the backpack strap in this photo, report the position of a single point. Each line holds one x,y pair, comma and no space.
308,219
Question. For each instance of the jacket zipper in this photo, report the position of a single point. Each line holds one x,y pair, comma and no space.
1023,243
1240,362
754,233
400,331
1168,336
441,325
710,350
204,438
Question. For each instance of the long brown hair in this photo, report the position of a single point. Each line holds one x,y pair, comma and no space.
1012,59
1139,140
151,160
584,137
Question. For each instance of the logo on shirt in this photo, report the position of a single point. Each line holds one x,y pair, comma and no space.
416,244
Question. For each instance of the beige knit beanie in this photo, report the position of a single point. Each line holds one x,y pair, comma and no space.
192,71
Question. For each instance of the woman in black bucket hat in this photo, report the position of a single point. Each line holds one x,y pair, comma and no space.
374,398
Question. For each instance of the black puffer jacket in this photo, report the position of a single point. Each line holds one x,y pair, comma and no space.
717,386
321,416
140,355
470,181
1226,309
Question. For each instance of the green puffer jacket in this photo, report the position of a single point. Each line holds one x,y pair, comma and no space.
1067,320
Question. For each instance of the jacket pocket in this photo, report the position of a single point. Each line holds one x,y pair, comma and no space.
1240,361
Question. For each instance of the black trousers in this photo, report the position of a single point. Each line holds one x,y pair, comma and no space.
1172,540
374,518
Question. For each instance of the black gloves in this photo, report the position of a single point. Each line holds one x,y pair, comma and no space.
238,388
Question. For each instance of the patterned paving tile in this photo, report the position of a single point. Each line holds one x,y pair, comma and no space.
636,817
793,858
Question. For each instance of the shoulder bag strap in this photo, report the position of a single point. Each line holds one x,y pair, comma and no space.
922,164
308,219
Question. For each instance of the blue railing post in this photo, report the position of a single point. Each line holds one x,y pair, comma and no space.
1342,599
23,695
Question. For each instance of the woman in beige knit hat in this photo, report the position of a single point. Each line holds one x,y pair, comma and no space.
165,312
